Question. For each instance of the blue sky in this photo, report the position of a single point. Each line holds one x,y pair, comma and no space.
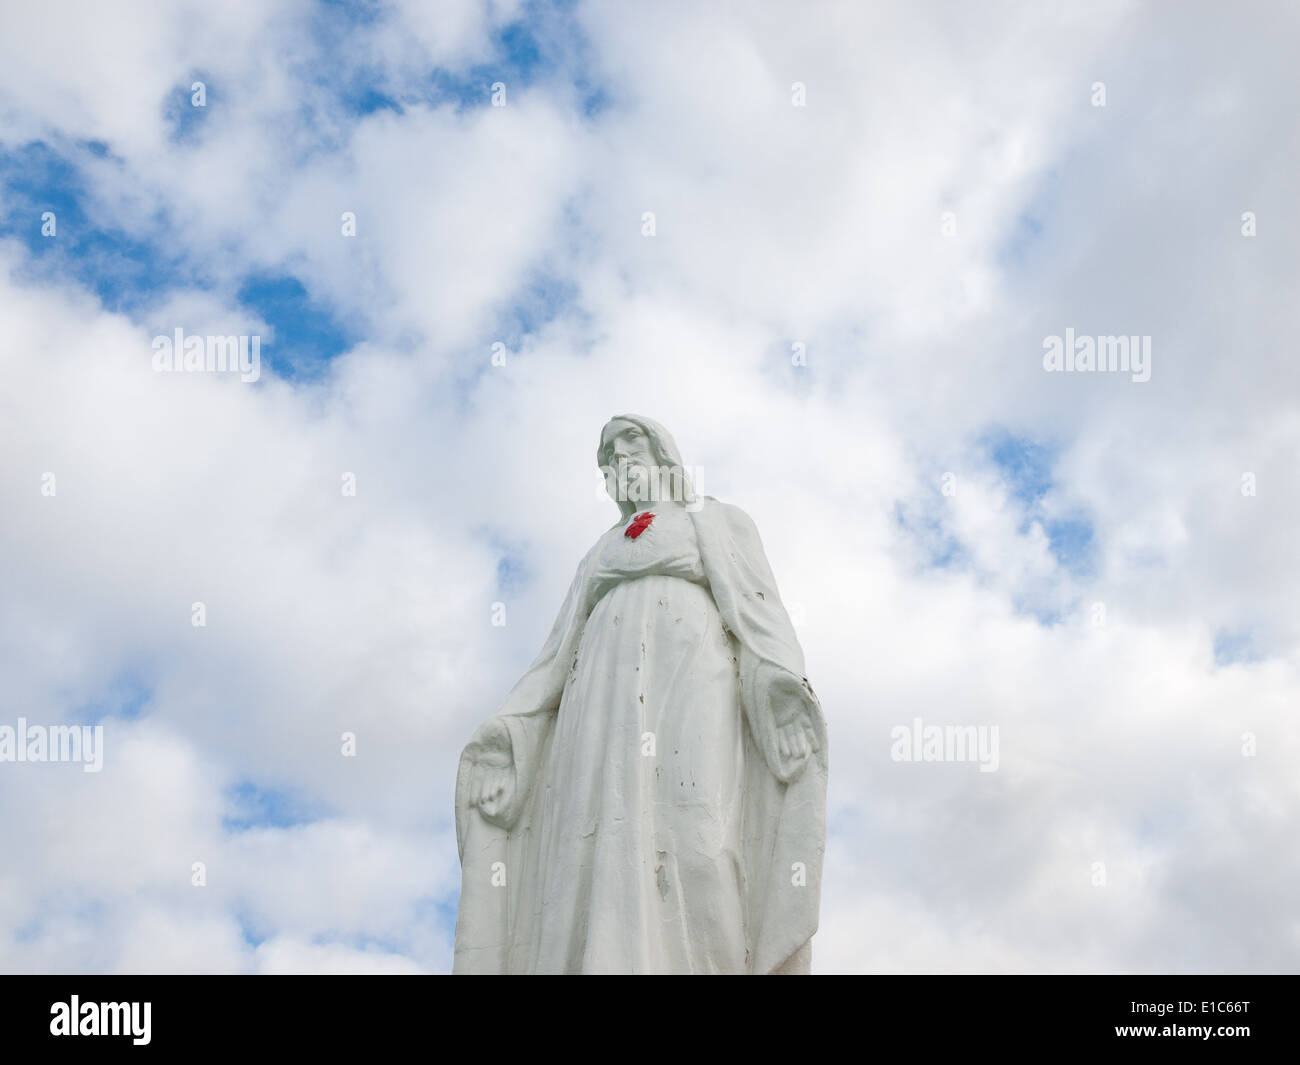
369,614
129,270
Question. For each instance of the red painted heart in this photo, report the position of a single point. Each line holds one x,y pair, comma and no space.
638,525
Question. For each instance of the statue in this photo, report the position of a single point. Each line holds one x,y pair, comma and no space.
651,798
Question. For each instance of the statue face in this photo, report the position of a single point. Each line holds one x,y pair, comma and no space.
628,445
633,474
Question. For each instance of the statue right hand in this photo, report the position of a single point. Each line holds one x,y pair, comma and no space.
492,771
491,788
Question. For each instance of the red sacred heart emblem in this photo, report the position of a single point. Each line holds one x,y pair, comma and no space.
638,525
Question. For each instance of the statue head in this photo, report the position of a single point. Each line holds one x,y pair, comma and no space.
642,465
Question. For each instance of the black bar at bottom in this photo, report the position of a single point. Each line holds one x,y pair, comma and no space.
337,1014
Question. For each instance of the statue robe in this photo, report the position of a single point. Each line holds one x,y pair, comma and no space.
780,832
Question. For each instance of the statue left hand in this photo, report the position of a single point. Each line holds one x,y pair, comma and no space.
792,703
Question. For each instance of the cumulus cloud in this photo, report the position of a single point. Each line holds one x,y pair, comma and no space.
841,317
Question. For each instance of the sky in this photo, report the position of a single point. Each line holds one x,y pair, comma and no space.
825,244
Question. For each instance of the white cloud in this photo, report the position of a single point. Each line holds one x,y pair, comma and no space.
1121,743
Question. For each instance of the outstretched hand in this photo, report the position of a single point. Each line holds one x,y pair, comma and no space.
492,770
792,703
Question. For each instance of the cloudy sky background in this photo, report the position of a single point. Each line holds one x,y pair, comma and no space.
1121,742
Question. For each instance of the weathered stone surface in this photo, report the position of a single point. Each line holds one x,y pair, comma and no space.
651,797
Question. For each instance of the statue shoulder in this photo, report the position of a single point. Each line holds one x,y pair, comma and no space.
594,552
728,514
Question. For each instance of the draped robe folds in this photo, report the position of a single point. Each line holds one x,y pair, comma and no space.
782,821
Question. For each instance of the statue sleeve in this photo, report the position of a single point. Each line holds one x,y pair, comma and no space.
745,591
521,725
785,813
490,853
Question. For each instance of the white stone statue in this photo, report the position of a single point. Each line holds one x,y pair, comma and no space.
652,796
